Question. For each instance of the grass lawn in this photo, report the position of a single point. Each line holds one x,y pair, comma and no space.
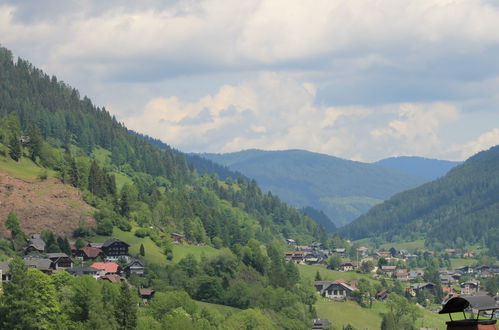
344,313
180,251
25,169
309,271
222,309
458,262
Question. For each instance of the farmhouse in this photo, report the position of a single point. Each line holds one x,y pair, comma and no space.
336,290
114,248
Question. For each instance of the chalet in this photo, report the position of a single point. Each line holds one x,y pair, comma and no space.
60,260
414,288
36,244
290,241
317,246
106,267
338,290
465,269
42,264
382,295
470,288
415,273
5,274
114,248
112,278
446,279
146,294
296,256
402,275
383,254
349,266
318,324
89,253
340,251
94,272
177,238
135,267
304,248
363,251
468,255
482,268
388,270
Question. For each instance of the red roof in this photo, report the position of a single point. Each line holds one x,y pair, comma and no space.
108,267
91,252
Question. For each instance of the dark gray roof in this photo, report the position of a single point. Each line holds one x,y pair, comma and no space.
83,271
112,241
41,264
4,266
37,242
57,255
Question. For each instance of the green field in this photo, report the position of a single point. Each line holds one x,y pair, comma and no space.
309,272
344,313
409,246
222,309
180,251
25,169
458,262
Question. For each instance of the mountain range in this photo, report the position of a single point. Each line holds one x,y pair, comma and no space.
342,189
459,209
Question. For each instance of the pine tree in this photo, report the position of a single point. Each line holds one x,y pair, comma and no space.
142,250
318,276
35,142
15,148
126,311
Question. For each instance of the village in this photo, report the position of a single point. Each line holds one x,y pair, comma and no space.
109,261
395,270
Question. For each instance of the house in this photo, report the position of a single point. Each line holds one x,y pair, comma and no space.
296,256
382,295
482,268
362,251
135,267
349,266
97,245
36,244
114,248
338,290
465,269
340,251
290,241
94,272
89,253
414,288
304,248
177,238
5,274
469,288
60,260
383,254
146,294
43,264
106,267
388,270
446,279
415,273
402,275
468,255
113,278
320,323
450,252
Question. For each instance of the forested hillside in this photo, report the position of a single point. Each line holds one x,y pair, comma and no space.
459,209
342,189
429,169
147,192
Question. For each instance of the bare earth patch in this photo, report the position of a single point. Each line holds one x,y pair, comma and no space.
48,205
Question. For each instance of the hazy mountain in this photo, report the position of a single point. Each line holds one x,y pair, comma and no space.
426,168
343,189
458,209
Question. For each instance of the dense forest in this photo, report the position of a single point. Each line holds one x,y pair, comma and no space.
150,189
342,189
454,211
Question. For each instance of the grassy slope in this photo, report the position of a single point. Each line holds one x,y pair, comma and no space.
222,309
309,272
25,169
409,246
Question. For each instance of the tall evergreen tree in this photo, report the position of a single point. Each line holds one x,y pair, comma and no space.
126,311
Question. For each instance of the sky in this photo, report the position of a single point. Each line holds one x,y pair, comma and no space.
361,80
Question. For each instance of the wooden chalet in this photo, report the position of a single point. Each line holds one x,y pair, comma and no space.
114,248
107,267
60,260
135,267
89,253
146,294
177,238
349,266
36,245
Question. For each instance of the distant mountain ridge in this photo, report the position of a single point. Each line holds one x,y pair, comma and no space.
456,210
426,168
342,189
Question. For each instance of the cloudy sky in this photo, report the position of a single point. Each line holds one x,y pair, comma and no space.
356,79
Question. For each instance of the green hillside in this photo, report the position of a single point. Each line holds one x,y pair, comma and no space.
342,189
458,210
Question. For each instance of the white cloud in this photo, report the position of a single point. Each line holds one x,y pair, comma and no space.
276,111
483,142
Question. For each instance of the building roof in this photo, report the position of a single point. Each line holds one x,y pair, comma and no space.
97,245
4,266
57,255
418,286
83,271
37,242
113,278
41,264
388,267
145,292
135,262
91,252
108,267
112,241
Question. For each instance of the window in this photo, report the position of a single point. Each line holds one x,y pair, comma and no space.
335,292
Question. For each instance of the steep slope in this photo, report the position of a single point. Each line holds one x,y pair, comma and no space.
42,205
342,189
426,168
458,209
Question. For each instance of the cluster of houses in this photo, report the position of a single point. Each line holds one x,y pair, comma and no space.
306,254
102,261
